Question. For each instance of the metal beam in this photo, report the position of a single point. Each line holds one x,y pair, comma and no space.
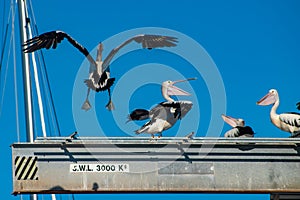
286,196
99,165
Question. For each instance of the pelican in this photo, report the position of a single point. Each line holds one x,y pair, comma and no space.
289,122
165,114
238,127
99,77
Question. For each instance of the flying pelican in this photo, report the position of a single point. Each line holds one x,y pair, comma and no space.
99,77
164,115
289,122
238,127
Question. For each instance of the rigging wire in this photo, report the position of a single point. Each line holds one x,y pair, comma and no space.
45,76
3,19
45,98
5,78
55,118
48,88
5,35
3,46
37,85
15,73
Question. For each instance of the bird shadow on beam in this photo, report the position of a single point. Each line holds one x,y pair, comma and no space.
186,156
66,151
245,146
297,148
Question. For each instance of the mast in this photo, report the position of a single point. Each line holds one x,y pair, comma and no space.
23,21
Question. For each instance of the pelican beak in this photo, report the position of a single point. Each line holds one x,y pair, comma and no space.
230,120
266,100
173,90
189,79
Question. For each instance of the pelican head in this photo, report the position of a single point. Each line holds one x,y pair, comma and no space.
233,122
269,98
169,89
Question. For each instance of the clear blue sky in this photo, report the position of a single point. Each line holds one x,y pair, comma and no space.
254,45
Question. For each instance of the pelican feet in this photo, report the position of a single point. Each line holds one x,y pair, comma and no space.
110,106
86,105
153,138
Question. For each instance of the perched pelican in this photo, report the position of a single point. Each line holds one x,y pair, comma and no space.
99,78
164,115
289,122
238,127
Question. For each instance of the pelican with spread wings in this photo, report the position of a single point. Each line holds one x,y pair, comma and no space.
99,77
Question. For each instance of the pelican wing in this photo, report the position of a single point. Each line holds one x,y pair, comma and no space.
245,131
50,40
178,108
174,107
147,41
185,107
158,111
240,131
138,114
292,119
234,132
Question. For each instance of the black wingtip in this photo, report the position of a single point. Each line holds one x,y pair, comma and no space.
139,114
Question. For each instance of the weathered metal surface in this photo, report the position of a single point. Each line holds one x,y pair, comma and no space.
286,196
96,165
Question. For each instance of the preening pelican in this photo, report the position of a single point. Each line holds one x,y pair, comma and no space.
238,127
289,122
164,115
99,78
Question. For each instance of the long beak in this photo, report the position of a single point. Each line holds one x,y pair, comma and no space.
230,120
188,79
266,100
173,90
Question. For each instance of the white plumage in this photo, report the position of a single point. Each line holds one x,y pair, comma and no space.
289,122
164,115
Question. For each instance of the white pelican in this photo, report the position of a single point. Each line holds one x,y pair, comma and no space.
164,115
238,127
99,78
289,122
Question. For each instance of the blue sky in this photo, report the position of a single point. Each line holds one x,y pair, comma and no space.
251,46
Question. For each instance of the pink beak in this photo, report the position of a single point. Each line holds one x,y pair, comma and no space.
266,100
173,90
230,120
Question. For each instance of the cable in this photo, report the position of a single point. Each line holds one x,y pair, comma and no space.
5,35
45,98
38,90
5,78
49,89
3,17
15,77
3,47
45,76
